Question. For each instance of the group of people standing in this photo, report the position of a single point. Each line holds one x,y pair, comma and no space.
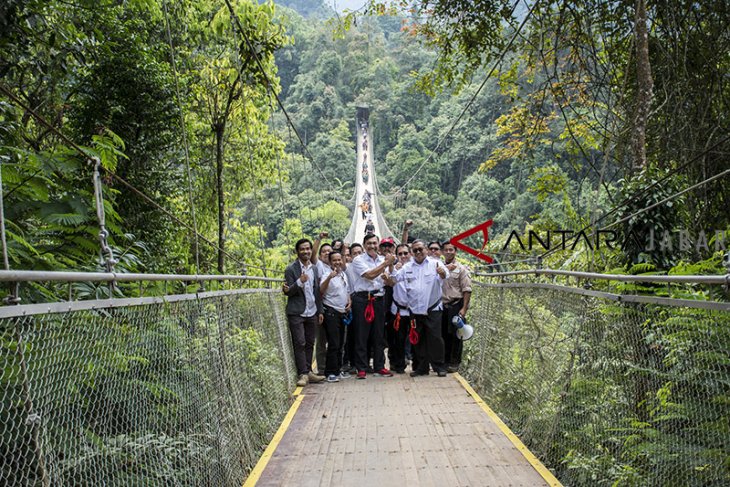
355,301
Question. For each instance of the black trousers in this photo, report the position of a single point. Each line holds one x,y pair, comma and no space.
430,346
303,331
364,332
397,340
348,350
453,347
335,330
320,348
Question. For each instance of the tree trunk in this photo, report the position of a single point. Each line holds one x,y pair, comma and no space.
644,86
219,130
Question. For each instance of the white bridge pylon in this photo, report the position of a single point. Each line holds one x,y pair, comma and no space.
367,208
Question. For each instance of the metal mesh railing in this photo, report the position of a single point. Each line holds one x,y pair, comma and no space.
606,392
185,390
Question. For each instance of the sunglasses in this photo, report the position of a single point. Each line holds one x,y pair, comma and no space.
418,250
402,253
433,248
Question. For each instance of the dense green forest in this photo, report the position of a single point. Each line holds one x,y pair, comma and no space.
541,116
538,117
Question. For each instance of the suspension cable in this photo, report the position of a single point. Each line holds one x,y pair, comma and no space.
12,297
474,96
110,261
43,121
262,242
260,66
6,262
281,183
178,220
184,131
101,216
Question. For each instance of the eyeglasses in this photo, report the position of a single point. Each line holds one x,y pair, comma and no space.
418,250
433,249
402,253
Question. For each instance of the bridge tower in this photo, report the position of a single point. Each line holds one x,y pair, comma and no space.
366,186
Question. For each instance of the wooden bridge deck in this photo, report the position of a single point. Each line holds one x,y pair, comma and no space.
399,431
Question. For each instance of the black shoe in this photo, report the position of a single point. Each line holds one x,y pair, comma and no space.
399,371
451,369
441,373
416,373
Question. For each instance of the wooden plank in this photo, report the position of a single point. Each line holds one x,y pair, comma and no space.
395,431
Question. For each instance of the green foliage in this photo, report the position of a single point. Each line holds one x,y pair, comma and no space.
549,128
103,75
606,393
158,394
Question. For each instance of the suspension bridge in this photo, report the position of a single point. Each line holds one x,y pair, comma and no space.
567,371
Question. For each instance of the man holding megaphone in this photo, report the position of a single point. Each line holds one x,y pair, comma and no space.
457,294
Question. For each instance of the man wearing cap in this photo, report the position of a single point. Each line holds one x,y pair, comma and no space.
368,311
456,296
423,276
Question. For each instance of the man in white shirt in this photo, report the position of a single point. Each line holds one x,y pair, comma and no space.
320,254
348,358
423,276
368,310
321,259
336,302
355,250
398,316
303,309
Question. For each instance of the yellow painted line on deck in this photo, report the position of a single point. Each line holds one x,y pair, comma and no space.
269,452
529,456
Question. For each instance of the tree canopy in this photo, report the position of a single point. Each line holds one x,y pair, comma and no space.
526,114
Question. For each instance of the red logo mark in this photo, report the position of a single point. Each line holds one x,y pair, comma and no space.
456,241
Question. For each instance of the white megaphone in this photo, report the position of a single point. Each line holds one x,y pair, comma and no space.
464,331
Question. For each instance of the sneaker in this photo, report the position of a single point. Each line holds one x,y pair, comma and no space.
361,374
384,373
303,380
441,373
345,375
314,378
399,371
417,373
333,378
452,369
